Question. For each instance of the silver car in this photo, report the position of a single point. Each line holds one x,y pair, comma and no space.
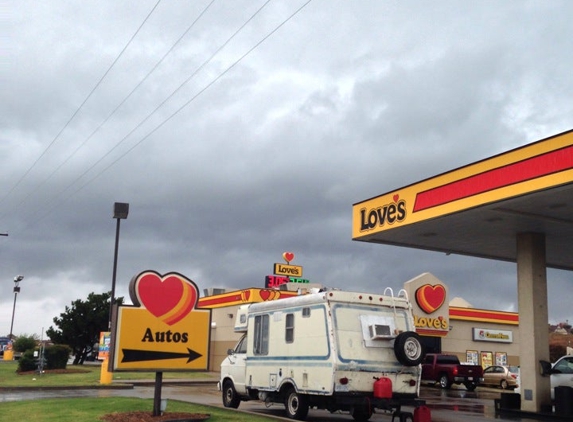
500,376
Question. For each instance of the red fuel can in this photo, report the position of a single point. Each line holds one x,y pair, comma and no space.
383,388
422,414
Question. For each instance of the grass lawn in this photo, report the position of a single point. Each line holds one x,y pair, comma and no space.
78,376
92,409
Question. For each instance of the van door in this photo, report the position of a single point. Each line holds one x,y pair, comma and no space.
237,365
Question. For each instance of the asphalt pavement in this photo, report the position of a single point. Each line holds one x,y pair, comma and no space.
455,405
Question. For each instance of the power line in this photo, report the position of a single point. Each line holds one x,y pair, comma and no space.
160,125
80,107
96,130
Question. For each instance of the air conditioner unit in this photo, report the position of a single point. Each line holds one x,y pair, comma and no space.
379,331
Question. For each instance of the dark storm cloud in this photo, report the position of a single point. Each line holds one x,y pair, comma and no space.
347,101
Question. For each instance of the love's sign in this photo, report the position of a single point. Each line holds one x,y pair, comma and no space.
430,298
430,306
162,331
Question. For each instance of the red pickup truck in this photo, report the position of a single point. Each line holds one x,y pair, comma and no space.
447,370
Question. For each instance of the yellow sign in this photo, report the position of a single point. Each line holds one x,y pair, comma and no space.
163,331
146,343
288,270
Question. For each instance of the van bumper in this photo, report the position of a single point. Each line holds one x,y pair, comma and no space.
395,402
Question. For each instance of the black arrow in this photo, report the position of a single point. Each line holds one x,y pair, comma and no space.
133,355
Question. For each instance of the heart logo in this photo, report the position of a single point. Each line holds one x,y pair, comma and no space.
396,197
245,294
288,257
430,298
269,294
169,297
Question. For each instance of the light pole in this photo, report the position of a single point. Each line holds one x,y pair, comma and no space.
17,281
120,211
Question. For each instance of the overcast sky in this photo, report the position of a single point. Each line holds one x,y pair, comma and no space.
237,135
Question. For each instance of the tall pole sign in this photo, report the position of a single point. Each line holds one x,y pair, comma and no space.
285,273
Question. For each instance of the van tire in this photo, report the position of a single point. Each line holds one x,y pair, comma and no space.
362,412
296,405
230,397
409,349
470,386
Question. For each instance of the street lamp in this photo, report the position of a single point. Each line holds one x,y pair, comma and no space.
120,211
17,281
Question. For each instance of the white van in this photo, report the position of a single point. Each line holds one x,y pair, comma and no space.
331,350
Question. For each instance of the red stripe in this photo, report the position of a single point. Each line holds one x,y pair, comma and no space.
475,313
532,168
435,333
205,302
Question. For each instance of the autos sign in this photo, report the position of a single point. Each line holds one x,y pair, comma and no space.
162,331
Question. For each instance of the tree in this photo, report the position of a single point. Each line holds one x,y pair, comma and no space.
80,325
25,342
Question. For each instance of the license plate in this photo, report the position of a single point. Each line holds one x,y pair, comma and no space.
470,378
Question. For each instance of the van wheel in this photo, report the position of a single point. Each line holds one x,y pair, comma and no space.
230,396
408,348
362,413
470,386
406,417
296,405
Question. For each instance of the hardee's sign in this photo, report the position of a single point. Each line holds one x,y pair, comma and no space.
429,298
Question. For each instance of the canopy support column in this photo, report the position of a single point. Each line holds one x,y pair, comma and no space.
533,320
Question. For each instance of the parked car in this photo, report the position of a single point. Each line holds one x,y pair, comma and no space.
447,370
561,373
500,376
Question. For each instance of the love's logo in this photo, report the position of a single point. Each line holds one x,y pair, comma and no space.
430,298
269,294
169,297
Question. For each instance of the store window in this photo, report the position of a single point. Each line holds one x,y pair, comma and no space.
472,357
486,359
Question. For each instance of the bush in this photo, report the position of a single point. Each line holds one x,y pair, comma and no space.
57,356
24,343
27,362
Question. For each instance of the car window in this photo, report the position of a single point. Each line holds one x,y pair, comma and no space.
242,346
447,360
564,366
488,370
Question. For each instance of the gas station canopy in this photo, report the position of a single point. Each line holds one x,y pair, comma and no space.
516,206
479,209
